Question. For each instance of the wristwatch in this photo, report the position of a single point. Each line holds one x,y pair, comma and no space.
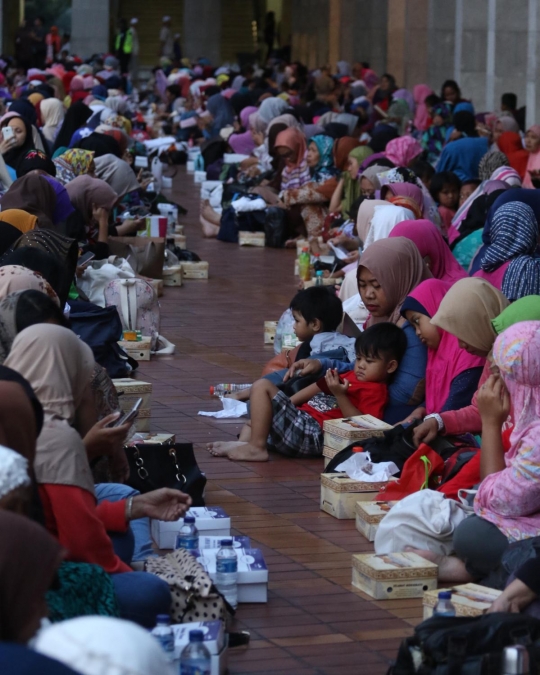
436,416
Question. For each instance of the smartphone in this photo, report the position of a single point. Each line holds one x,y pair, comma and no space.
129,416
85,258
8,133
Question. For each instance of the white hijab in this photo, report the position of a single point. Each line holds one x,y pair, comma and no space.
100,645
384,220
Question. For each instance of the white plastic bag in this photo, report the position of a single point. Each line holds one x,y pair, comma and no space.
99,273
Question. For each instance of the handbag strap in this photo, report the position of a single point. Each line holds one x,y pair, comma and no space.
128,303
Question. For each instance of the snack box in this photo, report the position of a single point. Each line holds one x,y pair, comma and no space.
393,575
156,439
338,434
178,229
166,182
131,391
215,542
180,240
251,238
468,599
234,158
215,640
172,276
270,328
190,166
210,521
157,285
199,176
339,494
137,349
252,572
369,515
194,270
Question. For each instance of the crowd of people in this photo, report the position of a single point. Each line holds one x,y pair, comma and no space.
434,209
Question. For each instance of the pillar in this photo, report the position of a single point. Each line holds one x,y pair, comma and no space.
202,29
334,26
90,27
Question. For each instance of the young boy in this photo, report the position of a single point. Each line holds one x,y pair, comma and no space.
293,426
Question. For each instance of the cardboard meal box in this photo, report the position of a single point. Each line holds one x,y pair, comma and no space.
157,285
338,434
210,521
194,270
172,276
180,240
468,599
154,439
252,572
339,494
251,238
137,349
270,328
215,640
369,515
393,575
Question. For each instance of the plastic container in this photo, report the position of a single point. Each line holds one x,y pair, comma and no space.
164,634
227,572
444,606
188,535
223,389
195,658
319,278
304,263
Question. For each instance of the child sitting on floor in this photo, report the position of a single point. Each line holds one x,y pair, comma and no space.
293,426
445,188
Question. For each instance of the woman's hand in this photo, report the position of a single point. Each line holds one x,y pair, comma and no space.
417,414
246,163
100,213
493,401
352,257
425,432
101,440
6,145
515,597
163,504
334,384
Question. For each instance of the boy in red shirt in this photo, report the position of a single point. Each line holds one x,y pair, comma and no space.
293,426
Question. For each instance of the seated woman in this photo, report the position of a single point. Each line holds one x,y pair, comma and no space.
452,373
510,262
348,187
32,193
532,145
14,149
507,505
59,366
388,271
73,163
406,195
434,138
433,249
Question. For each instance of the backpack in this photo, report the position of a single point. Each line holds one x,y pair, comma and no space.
463,645
274,226
137,305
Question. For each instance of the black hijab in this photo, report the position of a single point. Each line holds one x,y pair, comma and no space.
100,144
381,136
76,117
15,156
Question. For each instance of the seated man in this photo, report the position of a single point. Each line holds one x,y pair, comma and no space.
294,426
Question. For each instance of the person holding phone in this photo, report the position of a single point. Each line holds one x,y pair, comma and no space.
16,140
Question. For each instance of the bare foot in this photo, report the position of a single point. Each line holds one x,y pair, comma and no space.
451,569
209,214
239,452
210,230
219,447
291,243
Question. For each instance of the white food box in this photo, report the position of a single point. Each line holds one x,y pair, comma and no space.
199,176
166,182
190,166
234,158
215,542
252,572
210,521
215,640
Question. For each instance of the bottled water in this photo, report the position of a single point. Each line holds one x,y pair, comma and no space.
164,634
223,389
319,278
195,658
188,535
444,607
227,572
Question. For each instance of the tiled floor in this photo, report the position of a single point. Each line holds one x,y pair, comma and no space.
315,622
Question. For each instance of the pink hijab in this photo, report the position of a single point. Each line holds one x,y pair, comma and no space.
534,160
421,116
401,151
243,143
429,242
405,190
447,361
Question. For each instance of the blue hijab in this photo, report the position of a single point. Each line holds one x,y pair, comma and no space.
529,197
463,157
222,111
19,660
325,168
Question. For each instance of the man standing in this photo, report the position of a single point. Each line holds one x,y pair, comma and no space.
134,64
166,43
40,48
124,46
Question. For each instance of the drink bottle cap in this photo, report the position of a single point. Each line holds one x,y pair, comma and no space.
445,595
163,618
196,636
189,519
212,389
226,542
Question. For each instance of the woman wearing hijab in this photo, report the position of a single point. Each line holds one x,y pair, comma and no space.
73,163
242,142
222,114
506,503
52,115
15,149
348,187
76,116
271,107
381,136
28,112
59,367
385,218
35,160
15,278
463,156
369,180
399,114
421,115
510,262
21,220
29,560
490,162
98,143
117,173
407,191
433,249
532,145
33,194
403,150
452,374
291,145
15,484
511,145
104,646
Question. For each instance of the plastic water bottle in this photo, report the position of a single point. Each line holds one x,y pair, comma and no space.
164,634
444,607
319,278
223,389
188,535
195,658
304,264
227,572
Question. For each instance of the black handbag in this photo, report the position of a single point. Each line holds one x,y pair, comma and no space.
171,465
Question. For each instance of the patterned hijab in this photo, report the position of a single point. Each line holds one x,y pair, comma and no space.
15,278
73,163
401,151
325,168
296,173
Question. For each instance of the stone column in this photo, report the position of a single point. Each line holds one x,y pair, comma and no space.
90,27
334,26
202,29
